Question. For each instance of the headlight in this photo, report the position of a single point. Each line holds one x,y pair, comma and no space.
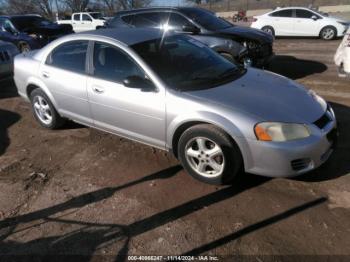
344,23
278,132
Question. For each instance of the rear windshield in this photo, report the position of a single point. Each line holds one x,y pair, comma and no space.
206,19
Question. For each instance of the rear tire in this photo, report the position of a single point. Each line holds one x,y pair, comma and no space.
208,154
44,111
269,30
328,33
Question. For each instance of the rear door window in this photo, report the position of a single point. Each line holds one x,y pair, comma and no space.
283,13
69,56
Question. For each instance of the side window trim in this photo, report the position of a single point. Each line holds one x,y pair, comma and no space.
48,59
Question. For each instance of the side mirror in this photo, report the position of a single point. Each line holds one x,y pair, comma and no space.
314,17
138,82
190,29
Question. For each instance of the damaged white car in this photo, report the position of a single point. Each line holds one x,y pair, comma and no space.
342,56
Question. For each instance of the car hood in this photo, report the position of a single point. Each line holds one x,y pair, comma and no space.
249,33
338,19
267,96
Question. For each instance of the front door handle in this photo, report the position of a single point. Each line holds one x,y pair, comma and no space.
98,89
45,74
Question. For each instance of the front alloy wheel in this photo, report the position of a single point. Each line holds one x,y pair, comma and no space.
208,154
328,33
205,157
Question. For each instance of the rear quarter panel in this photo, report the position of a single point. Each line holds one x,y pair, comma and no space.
26,73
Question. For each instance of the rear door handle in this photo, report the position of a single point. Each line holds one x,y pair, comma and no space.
45,74
98,89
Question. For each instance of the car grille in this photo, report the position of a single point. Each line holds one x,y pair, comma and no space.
323,120
300,164
4,56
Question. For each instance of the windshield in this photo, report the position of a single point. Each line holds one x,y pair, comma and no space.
184,63
96,15
25,22
206,19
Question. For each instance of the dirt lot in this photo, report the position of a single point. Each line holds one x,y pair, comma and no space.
83,192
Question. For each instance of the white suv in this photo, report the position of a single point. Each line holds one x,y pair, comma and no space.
300,21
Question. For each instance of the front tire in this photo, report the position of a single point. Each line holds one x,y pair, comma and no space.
208,154
44,111
328,33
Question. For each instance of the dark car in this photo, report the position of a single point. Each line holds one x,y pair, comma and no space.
30,31
205,26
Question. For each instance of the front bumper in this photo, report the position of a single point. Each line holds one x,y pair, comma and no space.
261,55
292,158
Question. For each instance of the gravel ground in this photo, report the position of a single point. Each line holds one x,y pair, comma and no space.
78,191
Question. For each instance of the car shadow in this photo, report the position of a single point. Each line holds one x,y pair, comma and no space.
295,68
8,89
7,119
339,163
90,236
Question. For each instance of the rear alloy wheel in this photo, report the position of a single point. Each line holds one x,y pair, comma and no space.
208,154
44,111
328,33
269,30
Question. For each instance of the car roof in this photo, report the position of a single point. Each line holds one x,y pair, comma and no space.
167,8
13,16
292,7
128,36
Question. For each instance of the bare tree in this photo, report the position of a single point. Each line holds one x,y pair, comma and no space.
77,5
45,7
115,5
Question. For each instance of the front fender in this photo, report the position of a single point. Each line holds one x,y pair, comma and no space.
211,118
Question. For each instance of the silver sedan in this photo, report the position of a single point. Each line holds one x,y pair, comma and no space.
174,93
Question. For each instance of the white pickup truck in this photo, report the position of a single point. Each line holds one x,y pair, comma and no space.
84,21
